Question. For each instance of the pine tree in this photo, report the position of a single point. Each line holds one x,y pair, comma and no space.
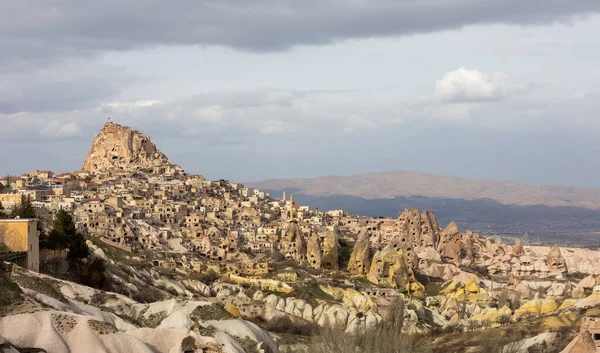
65,235
63,229
2,211
78,249
24,209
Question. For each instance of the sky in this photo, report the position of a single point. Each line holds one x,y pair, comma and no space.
254,89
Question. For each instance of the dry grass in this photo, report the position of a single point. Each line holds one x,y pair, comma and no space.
384,338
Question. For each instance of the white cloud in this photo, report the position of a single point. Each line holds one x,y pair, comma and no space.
131,105
56,128
465,85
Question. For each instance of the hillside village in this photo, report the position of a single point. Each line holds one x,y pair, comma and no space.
275,258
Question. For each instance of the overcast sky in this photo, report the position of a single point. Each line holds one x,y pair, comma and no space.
255,89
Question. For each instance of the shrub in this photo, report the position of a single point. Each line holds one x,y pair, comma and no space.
91,274
454,328
10,292
208,277
491,343
504,320
148,295
284,324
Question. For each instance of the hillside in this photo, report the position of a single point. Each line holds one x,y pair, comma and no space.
182,264
403,183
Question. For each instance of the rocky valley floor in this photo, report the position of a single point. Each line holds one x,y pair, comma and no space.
183,314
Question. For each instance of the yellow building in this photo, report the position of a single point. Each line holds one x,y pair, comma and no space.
10,200
21,235
61,190
37,194
15,182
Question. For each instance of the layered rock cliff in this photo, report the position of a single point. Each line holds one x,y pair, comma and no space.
119,148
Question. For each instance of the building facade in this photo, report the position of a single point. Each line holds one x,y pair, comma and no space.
21,236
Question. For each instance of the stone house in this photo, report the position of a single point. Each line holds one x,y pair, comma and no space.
255,268
93,206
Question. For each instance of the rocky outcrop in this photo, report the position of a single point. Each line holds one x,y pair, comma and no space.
582,343
121,149
450,243
293,245
584,287
465,290
421,229
360,260
331,252
355,312
390,268
556,263
535,307
313,251
518,249
61,316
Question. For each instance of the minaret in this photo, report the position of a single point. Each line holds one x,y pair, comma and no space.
291,206
284,198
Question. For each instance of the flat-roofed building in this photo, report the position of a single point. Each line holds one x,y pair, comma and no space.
21,236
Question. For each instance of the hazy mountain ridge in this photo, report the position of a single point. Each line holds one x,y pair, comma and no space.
406,184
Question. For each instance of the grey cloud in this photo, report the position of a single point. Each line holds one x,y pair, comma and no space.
484,140
33,29
65,87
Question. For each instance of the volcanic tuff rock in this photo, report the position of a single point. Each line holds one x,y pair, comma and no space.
330,252
293,244
556,262
360,260
518,249
120,148
390,268
313,251
449,245
59,316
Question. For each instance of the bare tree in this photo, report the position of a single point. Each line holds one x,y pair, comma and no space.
3,246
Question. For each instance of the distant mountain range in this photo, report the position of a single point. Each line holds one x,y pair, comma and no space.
403,183
557,213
